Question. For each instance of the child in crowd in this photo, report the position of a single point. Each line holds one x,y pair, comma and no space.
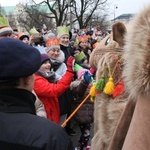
46,70
84,116
47,91
24,38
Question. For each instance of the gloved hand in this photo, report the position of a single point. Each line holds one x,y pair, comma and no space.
92,70
87,77
70,64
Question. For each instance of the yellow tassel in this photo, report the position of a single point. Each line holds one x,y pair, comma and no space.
93,92
109,87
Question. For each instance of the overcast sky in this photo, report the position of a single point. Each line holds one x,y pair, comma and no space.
128,6
123,6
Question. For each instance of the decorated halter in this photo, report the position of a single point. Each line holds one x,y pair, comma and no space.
109,88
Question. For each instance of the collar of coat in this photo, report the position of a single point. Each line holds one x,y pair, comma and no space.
17,101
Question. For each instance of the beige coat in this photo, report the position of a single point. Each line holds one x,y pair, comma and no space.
40,110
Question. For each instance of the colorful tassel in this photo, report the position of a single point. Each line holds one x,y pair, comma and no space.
93,92
100,84
109,87
92,98
118,89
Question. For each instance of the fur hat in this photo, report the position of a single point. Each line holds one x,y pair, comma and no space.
17,59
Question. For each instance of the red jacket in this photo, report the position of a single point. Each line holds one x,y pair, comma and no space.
48,93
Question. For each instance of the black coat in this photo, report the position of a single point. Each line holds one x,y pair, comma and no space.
85,114
65,100
21,129
68,51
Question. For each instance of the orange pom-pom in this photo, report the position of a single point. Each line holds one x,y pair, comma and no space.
119,89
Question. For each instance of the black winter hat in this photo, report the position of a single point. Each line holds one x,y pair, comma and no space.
17,59
24,36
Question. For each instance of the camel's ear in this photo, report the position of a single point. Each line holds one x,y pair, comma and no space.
119,31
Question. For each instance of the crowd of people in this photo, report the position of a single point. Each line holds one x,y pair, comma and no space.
46,74
61,81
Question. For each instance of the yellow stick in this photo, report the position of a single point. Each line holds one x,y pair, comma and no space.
72,114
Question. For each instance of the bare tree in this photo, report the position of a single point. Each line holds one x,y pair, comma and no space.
66,12
85,9
58,8
12,21
99,20
34,16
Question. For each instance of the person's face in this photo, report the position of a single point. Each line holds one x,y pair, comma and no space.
84,44
45,66
25,40
64,40
54,53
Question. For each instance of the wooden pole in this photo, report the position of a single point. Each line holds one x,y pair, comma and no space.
72,114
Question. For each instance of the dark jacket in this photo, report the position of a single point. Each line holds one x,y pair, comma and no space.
68,51
65,100
21,129
85,114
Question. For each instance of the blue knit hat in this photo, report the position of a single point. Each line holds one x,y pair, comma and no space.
17,59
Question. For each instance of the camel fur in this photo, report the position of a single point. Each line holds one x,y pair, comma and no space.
113,41
107,109
132,132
